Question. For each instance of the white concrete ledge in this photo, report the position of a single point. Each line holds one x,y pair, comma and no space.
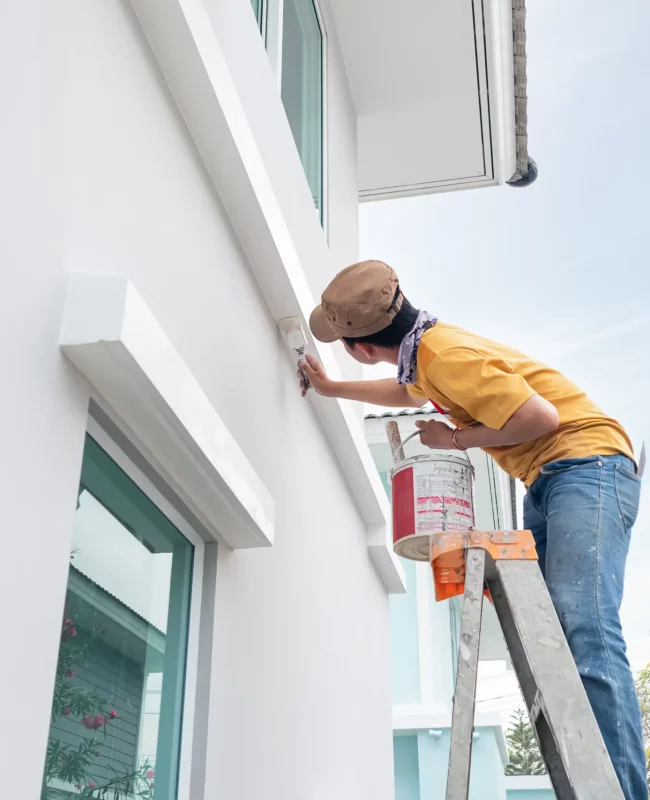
191,59
112,337
416,717
412,719
528,783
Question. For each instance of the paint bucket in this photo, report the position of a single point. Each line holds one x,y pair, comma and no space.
431,493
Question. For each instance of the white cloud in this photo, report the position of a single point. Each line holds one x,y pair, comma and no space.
607,333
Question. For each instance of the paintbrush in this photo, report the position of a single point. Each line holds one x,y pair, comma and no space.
294,336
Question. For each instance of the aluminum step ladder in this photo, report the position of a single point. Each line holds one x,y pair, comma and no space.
503,564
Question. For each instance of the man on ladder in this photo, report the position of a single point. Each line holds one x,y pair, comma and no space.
577,464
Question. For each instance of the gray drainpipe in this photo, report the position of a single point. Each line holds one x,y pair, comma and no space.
526,168
513,502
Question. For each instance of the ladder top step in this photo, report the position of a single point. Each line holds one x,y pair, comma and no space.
448,555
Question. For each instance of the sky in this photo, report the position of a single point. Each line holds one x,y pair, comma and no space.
560,269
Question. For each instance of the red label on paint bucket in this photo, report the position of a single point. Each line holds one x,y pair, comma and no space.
404,510
430,495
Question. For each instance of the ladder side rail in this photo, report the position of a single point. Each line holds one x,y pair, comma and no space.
566,713
547,744
462,726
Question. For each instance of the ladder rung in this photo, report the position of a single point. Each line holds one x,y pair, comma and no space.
462,725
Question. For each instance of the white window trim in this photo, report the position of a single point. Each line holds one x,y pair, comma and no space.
325,116
272,32
197,597
112,337
426,648
191,58
273,37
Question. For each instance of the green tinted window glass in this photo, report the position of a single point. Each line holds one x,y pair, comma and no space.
118,697
302,88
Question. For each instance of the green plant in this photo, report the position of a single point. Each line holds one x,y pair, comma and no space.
643,691
73,764
525,757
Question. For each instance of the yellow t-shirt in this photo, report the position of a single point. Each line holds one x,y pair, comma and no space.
479,381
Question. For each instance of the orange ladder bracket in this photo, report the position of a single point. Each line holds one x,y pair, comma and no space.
448,550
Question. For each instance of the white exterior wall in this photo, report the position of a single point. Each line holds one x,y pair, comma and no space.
101,175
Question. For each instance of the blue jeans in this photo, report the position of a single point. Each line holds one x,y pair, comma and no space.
581,513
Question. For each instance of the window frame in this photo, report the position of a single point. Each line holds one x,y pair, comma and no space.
198,598
272,34
260,17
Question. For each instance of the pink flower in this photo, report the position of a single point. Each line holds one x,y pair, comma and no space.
66,712
92,785
73,632
113,714
69,622
150,774
69,673
93,723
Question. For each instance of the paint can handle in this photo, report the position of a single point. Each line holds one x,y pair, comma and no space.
417,433
411,436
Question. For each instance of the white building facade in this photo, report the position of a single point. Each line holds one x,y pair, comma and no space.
189,547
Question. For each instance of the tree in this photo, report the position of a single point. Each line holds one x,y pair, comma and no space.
643,690
525,757
73,765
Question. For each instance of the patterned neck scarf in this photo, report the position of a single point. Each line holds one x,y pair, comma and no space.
408,351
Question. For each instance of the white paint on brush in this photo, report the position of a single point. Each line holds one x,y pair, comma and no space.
294,336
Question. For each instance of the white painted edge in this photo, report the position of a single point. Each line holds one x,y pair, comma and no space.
188,51
407,719
115,341
527,782
411,719
501,742
423,579
417,190
501,72
387,564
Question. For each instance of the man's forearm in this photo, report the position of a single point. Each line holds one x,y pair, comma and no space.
535,418
482,436
385,392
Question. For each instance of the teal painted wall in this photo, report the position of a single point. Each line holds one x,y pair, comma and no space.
446,648
405,752
533,794
487,780
434,757
386,482
404,649
431,759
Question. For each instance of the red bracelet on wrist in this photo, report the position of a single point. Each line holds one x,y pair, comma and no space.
453,439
